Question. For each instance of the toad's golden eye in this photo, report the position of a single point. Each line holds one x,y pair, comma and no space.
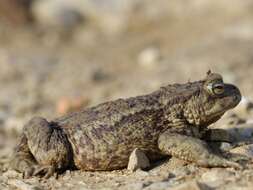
218,88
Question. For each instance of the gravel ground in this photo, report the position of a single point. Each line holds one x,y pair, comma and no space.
49,70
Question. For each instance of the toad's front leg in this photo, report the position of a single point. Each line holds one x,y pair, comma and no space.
43,149
218,135
191,149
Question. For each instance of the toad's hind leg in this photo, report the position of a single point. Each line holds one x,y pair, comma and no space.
22,159
192,149
43,149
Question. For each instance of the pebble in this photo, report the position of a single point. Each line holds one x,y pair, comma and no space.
234,119
11,174
182,171
246,150
59,14
192,185
133,186
100,76
216,177
14,125
141,173
245,107
22,185
149,57
138,160
225,146
158,186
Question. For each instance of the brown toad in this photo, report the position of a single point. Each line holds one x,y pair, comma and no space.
170,121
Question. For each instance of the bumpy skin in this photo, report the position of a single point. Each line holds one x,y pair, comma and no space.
170,121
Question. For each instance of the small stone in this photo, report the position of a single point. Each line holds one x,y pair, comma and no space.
224,146
11,174
229,121
234,119
138,160
133,186
246,150
192,185
14,125
216,177
22,185
141,173
148,57
56,14
181,171
249,121
158,186
245,107
100,76
67,175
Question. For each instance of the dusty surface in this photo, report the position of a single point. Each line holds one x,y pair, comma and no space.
42,70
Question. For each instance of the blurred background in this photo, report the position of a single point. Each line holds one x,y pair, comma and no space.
59,55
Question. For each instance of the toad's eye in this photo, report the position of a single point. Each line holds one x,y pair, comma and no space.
218,88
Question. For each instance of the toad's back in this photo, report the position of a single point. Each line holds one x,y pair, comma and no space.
103,137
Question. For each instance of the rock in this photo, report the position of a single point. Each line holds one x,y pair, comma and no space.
249,121
133,186
229,121
192,185
216,177
22,185
224,146
245,107
141,173
3,186
60,14
138,160
158,186
148,57
181,171
234,119
11,174
100,76
110,16
245,150
14,125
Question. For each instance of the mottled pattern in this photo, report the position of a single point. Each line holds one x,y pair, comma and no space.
170,121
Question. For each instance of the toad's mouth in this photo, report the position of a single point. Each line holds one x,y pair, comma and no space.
225,104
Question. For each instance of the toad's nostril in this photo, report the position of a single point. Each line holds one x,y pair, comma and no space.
236,98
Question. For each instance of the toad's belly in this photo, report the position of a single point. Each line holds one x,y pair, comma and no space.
109,152
110,159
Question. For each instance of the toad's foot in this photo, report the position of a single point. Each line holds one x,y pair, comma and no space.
45,171
42,171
